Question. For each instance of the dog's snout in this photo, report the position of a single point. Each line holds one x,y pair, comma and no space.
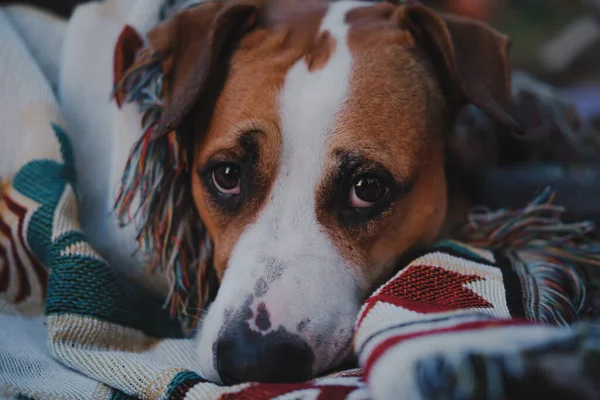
244,355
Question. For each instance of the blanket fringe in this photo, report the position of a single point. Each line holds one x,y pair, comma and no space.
154,194
551,257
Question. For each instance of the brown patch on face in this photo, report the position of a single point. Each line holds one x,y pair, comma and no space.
320,52
249,103
395,116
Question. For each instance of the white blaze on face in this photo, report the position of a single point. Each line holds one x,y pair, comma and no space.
286,251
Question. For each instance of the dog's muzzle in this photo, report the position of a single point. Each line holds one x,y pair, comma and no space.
244,355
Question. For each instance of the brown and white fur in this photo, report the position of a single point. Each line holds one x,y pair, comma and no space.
325,92
305,97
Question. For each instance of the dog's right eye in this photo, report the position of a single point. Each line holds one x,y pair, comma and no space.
226,178
366,191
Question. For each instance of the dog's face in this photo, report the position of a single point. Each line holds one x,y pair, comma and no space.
323,163
320,163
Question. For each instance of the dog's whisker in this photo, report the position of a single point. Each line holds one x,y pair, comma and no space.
254,126
239,129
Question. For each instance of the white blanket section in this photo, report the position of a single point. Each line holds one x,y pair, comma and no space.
76,58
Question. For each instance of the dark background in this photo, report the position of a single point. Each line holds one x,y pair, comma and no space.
532,26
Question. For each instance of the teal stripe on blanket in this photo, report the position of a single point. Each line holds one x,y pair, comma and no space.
81,284
45,181
182,383
86,286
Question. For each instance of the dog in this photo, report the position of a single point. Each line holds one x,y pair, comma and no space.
316,132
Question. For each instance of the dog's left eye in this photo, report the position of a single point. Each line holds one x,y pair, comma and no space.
366,191
226,178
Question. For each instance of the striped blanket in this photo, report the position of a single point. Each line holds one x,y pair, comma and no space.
504,312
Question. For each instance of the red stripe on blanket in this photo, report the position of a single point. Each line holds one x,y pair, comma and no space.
40,272
5,272
429,289
266,391
23,286
384,346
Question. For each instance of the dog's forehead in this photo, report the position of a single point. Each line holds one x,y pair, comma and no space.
288,36
359,74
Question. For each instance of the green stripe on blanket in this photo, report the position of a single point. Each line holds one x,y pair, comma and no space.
80,282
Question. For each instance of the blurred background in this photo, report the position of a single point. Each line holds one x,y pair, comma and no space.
558,41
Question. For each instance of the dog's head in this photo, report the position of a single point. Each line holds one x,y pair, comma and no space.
318,136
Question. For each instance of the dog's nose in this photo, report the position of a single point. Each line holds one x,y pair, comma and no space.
244,355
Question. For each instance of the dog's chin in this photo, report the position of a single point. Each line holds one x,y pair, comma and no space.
343,360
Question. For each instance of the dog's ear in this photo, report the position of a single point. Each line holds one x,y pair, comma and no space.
191,46
194,43
128,44
179,65
472,59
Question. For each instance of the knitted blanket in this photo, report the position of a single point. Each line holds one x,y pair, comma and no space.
498,314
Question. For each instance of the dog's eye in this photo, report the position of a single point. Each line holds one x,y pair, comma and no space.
226,178
366,191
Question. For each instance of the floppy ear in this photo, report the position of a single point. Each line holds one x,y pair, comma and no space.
471,58
193,45
190,46
128,44
177,67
